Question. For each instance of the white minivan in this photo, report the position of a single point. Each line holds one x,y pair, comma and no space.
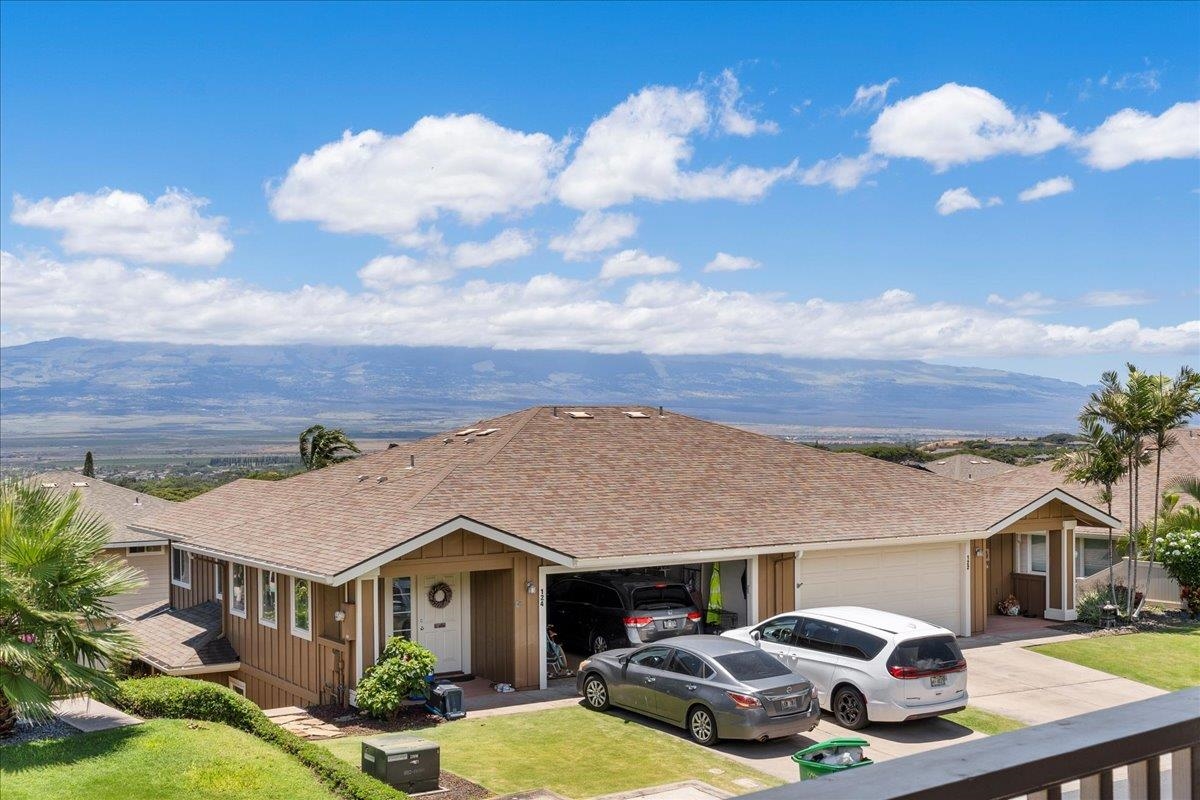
868,665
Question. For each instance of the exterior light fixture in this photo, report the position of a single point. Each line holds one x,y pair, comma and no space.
531,587
339,616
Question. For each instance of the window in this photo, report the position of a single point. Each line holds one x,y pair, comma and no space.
1091,556
917,657
218,582
859,644
1031,553
690,664
402,607
778,630
181,568
238,686
141,550
659,596
267,605
651,657
753,665
813,634
301,603
237,583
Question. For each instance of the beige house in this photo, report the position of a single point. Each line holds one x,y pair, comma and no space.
452,541
121,508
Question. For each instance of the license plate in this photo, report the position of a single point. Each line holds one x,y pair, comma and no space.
668,624
787,704
937,680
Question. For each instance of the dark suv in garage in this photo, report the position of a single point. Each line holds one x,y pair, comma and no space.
595,612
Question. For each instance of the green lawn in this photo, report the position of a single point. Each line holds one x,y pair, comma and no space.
984,721
572,751
1168,660
161,759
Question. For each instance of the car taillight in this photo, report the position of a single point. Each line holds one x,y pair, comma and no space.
694,616
744,700
906,673
639,622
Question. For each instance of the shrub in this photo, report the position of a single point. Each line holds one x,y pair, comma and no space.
184,698
1179,551
400,672
1089,603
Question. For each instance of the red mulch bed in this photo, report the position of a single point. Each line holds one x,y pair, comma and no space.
351,723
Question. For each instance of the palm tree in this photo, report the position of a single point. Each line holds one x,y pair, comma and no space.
55,634
321,446
1128,411
1099,462
1177,401
1186,518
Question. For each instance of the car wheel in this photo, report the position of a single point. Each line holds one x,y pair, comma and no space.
595,693
598,643
850,709
701,726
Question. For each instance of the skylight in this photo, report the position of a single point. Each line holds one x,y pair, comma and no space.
79,483
466,432
637,415
487,432
49,485
579,415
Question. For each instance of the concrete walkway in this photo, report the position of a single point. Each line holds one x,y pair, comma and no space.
89,716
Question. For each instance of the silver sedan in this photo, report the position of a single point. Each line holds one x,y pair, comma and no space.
713,687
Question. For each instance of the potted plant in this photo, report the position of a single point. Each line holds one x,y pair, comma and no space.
1009,606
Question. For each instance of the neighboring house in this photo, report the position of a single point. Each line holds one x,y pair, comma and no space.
1091,543
452,541
120,508
967,467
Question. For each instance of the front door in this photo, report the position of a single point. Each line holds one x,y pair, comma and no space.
439,622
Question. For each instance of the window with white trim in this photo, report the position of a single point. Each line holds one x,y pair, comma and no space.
237,588
1091,556
143,549
268,605
181,568
238,686
1032,553
301,608
218,582
401,620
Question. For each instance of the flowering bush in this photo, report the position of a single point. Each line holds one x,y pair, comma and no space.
1179,552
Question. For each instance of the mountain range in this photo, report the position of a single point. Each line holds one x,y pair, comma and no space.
77,385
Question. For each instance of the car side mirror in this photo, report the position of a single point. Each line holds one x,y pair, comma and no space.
623,660
756,636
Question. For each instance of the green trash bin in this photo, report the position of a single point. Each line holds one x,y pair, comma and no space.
815,769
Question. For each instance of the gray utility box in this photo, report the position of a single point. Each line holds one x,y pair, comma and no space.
405,762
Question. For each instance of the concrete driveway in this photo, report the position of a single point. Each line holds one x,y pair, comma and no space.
1032,688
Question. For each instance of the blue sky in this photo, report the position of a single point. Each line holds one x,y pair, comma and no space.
672,132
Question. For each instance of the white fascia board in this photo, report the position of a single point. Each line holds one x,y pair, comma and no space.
250,562
690,557
894,541
459,523
1067,499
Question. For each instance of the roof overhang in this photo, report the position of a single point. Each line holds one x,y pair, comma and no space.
1088,514
199,669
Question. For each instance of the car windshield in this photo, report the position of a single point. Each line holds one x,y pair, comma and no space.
752,665
665,596
929,653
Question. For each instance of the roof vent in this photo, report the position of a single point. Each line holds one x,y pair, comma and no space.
637,415
392,445
137,501
362,478
579,415
660,412
49,485
466,431
448,440
381,479
412,462
469,440
79,483
487,432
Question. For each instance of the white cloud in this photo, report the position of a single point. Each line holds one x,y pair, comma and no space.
629,263
869,98
594,232
732,117
507,245
954,200
1146,80
171,230
841,172
41,298
724,262
637,151
1033,303
388,272
1047,188
1130,136
956,124
466,166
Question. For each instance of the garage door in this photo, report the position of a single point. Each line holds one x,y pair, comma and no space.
921,582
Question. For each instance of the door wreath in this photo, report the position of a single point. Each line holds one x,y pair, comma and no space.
440,594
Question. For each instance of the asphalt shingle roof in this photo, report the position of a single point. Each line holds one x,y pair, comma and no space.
116,505
184,639
607,486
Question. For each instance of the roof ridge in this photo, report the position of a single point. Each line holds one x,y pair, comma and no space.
529,414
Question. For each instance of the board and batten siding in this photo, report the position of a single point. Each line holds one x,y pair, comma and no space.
155,571
203,584
776,584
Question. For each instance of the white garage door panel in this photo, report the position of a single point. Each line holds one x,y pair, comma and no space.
921,582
